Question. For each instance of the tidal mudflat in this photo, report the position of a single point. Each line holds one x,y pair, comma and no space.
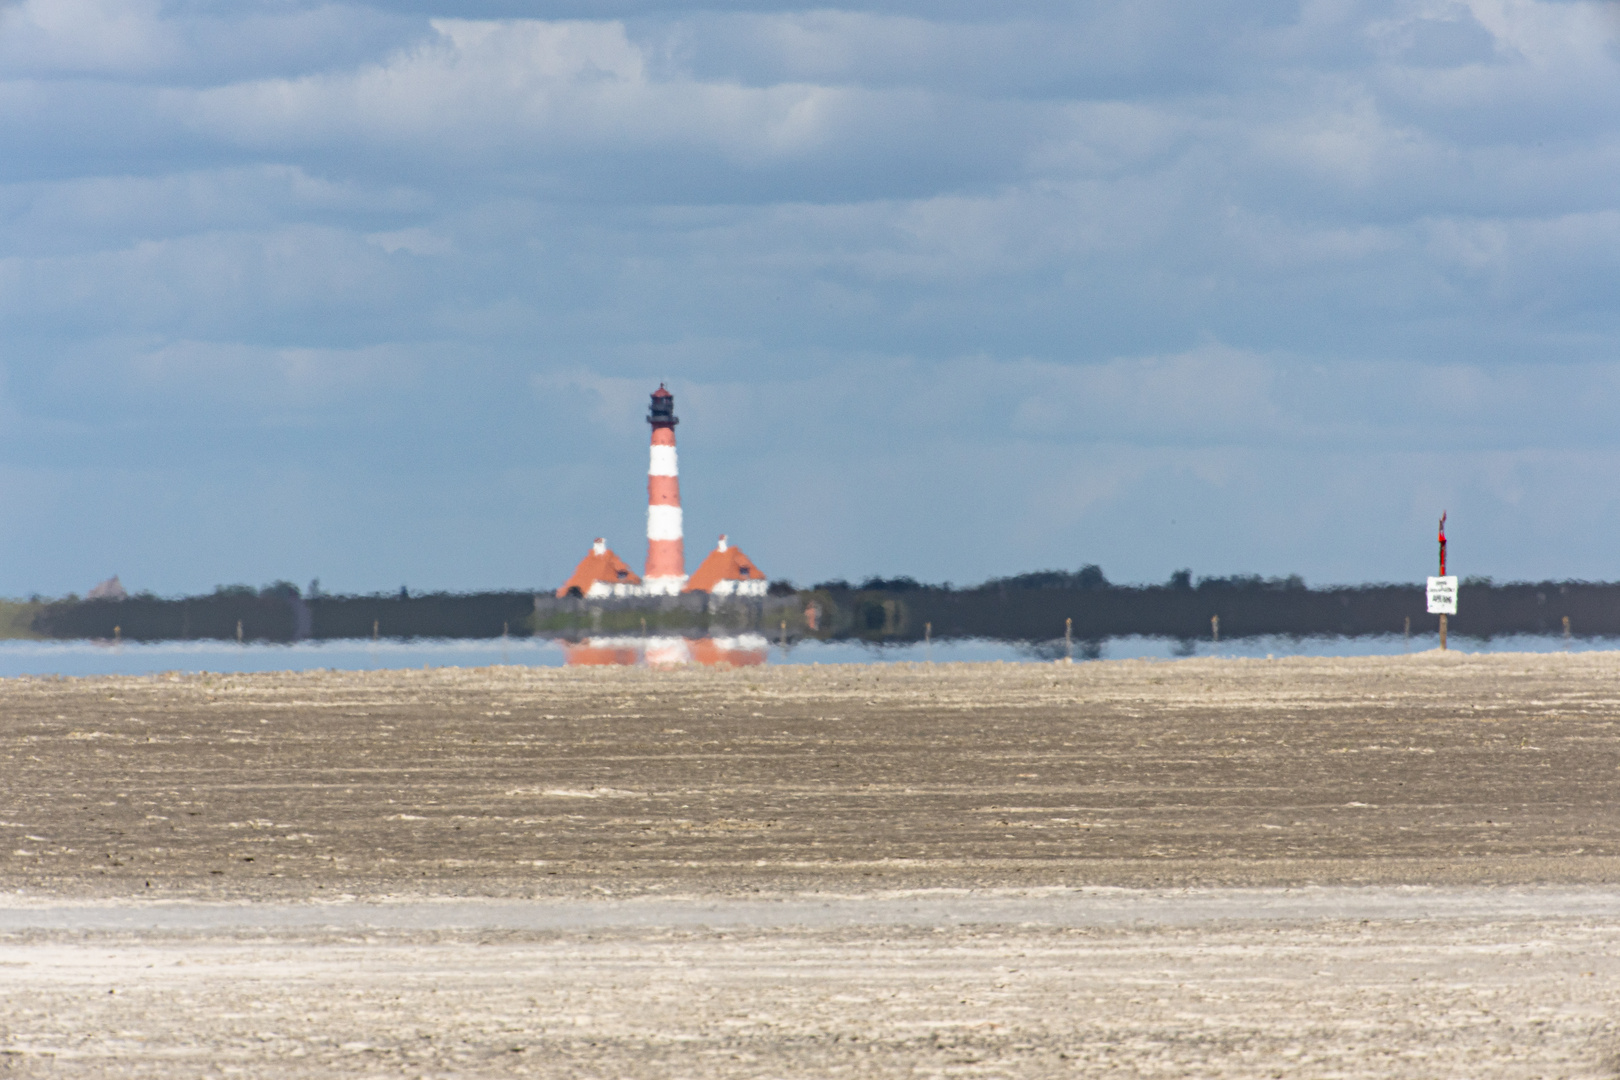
1381,866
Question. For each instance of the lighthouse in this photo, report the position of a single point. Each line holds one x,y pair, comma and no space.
666,554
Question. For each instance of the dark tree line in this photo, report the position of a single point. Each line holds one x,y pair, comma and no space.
279,613
1031,607
1039,606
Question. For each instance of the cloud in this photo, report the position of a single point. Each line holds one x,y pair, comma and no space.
88,213
573,109
1065,274
115,37
151,41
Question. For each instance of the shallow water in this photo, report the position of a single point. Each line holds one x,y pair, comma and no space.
130,658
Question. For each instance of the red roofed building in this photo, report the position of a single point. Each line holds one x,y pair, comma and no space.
727,572
601,573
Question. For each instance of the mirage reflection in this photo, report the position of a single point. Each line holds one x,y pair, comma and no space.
743,650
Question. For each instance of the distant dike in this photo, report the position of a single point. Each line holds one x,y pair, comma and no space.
1030,608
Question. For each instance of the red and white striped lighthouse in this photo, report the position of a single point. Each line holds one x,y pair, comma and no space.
666,553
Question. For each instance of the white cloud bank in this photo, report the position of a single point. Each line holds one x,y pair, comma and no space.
1301,273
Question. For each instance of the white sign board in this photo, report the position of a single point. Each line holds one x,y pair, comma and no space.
1443,595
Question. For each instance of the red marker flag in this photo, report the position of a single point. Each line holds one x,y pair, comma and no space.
1442,543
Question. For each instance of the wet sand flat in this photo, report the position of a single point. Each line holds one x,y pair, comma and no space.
1425,769
1323,867
1353,981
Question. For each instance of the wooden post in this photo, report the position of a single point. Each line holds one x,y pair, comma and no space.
1408,634
374,624
1442,633
928,642
1215,628
239,631
1068,640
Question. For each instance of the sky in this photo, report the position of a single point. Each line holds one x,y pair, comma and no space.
376,293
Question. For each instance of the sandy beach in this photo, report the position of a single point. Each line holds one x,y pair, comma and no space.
1323,867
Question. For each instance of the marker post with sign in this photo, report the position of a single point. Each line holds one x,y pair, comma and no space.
1442,590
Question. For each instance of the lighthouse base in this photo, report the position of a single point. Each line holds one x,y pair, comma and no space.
663,586
692,613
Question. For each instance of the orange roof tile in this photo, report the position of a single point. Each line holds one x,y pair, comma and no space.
600,565
724,563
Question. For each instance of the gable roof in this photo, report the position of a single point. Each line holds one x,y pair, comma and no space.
600,565
724,563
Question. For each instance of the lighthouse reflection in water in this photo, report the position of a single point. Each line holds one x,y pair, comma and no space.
744,650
